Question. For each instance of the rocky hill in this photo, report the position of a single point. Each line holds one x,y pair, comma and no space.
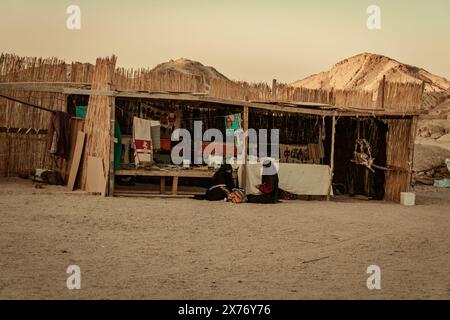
191,67
365,71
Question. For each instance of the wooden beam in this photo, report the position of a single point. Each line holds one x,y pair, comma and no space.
333,141
433,117
87,92
25,131
179,195
31,87
343,112
243,183
27,103
280,108
165,173
46,83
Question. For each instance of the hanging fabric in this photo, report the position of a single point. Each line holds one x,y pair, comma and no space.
58,138
233,122
142,142
117,145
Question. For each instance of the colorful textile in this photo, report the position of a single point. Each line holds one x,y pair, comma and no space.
237,196
316,152
286,195
233,122
266,188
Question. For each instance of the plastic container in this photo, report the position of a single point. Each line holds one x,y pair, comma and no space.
186,164
81,112
408,198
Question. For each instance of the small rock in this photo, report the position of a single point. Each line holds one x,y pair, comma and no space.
436,136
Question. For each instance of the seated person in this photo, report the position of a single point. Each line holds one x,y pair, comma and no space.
269,186
221,185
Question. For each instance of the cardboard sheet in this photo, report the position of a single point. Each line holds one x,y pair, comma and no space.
96,182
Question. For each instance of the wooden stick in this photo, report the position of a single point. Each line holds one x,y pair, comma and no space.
383,86
27,103
274,90
333,140
111,151
412,139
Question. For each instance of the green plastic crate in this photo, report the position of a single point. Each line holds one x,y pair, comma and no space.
81,112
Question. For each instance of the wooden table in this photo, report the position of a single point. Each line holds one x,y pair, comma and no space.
163,174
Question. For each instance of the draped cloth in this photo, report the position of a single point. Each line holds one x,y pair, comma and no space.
301,179
58,137
142,141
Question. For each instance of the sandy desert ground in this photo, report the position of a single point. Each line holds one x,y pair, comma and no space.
138,248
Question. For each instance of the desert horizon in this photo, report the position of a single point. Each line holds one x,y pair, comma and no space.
252,40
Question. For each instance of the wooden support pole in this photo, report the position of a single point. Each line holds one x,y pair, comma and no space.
243,183
421,95
333,140
162,185
175,186
412,140
383,85
274,90
111,151
8,158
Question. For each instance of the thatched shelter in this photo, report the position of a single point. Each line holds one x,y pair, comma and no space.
31,88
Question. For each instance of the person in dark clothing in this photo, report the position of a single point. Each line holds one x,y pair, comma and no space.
221,185
269,187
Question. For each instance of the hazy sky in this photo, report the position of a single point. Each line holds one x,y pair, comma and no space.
252,40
